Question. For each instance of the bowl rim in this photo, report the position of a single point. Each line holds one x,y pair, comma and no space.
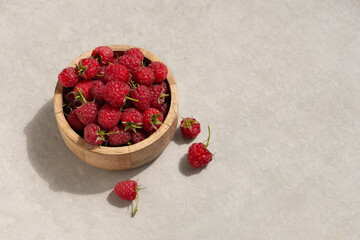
78,140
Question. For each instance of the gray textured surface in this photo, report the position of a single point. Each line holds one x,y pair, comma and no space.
278,82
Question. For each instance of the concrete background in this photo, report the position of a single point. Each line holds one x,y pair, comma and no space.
277,81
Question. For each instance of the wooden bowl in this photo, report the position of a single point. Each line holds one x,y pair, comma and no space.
125,157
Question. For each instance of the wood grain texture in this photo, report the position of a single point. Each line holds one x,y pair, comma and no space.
126,157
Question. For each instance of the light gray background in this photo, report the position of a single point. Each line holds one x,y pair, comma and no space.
278,82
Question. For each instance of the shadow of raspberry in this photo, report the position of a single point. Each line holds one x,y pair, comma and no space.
57,165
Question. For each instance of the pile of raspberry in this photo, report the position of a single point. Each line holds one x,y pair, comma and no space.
115,98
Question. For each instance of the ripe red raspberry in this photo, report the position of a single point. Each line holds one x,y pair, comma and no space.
166,87
199,155
101,73
189,127
157,96
128,190
130,62
136,52
74,121
87,68
143,95
97,89
164,109
152,119
117,72
87,113
138,136
160,71
131,119
93,134
115,60
144,76
68,77
115,93
103,54
85,87
108,116
120,138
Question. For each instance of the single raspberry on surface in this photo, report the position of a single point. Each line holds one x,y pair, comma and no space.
115,93
128,190
87,68
152,119
138,136
189,127
117,72
85,87
160,71
132,119
130,62
164,109
136,52
166,87
143,95
94,135
157,96
68,77
87,113
103,54
101,73
120,138
199,155
108,116
74,121
97,89
144,76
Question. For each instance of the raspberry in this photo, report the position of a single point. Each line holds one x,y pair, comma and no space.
100,73
115,60
93,134
108,116
120,138
189,127
144,76
130,62
87,113
160,71
164,109
103,54
131,118
152,119
87,68
157,96
128,190
68,77
117,72
97,89
143,95
85,87
74,121
115,93
136,52
138,136
166,87
199,155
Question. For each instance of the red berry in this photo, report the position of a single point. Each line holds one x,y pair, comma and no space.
101,73
120,138
108,116
160,71
115,93
157,96
138,136
117,72
130,62
144,76
164,109
199,155
143,95
136,52
97,89
128,190
87,68
189,127
68,77
87,113
166,87
93,134
152,119
74,121
85,87
131,119
103,54
115,60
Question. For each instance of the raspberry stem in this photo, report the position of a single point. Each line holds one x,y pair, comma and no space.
132,99
137,202
82,98
164,95
207,143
